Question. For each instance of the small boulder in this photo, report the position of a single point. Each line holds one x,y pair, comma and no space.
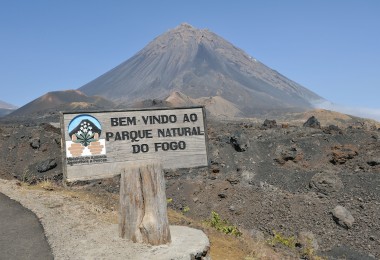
46,165
240,142
332,129
285,154
312,122
233,179
269,123
35,143
342,153
326,183
222,195
373,161
343,217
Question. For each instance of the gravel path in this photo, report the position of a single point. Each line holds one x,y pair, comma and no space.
78,230
20,224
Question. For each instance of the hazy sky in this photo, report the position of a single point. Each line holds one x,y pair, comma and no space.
330,47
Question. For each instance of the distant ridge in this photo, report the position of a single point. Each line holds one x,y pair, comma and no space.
7,105
6,108
215,106
67,100
200,64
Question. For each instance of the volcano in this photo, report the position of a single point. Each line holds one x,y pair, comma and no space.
67,100
200,64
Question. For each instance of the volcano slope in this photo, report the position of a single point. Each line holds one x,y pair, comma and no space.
277,178
201,64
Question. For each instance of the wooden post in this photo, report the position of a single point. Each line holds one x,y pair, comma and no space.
143,209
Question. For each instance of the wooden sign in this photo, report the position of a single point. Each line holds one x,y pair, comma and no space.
102,144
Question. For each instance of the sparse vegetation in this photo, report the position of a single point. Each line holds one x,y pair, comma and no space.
223,225
186,209
47,184
308,252
279,238
305,252
26,176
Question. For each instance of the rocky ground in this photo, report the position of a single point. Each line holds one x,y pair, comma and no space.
322,183
290,180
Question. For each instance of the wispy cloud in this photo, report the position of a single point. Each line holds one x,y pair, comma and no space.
371,113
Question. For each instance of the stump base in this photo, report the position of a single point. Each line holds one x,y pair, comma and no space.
143,209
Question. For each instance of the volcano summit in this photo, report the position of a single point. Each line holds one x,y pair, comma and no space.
199,64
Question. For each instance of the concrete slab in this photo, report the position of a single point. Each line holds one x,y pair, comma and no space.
187,243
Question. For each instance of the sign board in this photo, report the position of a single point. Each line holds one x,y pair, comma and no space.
101,144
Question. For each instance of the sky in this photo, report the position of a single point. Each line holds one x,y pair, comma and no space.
329,47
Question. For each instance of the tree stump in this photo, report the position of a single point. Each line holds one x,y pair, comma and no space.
143,209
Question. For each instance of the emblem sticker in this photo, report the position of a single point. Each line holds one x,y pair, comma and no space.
85,134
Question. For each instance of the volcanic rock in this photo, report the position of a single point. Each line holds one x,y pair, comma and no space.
373,161
284,154
326,183
269,123
312,122
46,165
240,142
342,153
332,129
343,217
35,143
269,196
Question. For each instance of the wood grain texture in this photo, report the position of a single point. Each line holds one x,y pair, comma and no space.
120,152
143,210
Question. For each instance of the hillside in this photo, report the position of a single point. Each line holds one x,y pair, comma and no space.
200,64
283,178
6,105
6,108
53,102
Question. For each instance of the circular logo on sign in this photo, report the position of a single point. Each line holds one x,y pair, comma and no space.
84,129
